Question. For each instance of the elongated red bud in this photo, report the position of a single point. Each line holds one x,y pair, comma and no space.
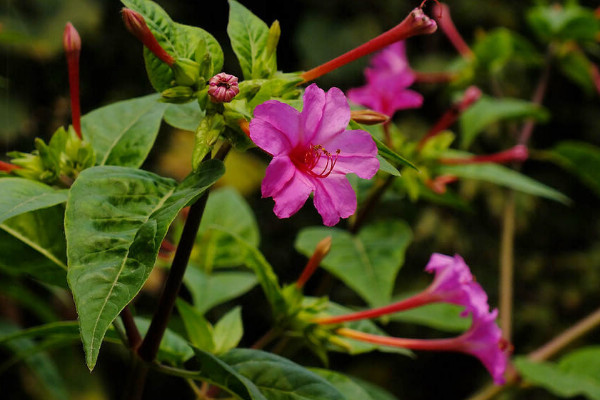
518,153
136,25
416,23
449,29
72,46
8,167
321,250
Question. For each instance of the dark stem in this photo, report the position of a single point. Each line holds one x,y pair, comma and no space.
370,203
158,326
265,339
137,380
538,97
133,334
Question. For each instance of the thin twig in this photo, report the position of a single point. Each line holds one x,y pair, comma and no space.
370,203
507,265
134,338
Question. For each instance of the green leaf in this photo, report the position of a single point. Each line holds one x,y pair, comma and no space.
504,176
249,37
173,348
367,262
226,210
394,158
351,387
199,330
184,116
23,195
582,159
571,22
387,167
217,372
279,378
575,65
559,380
209,290
180,41
441,316
123,133
229,331
34,244
39,363
488,111
584,361
115,221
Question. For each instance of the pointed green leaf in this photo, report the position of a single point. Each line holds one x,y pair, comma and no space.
226,210
184,116
353,388
34,244
173,348
209,290
218,372
199,330
488,111
367,262
504,176
124,132
180,41
22,195
561,380
249,37
115,221
582,159
278,378
229,331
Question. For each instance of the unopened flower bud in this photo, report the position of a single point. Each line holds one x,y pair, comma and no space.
72,46
186,71
449,29
273,38
471,95
368,117
178,94
223,88
136,25
321,250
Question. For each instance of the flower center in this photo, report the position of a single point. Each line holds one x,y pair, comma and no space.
224,85
307,160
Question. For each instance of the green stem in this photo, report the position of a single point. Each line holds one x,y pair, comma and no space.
507,266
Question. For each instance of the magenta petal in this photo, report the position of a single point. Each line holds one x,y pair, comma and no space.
275,127
358,153
293,195
312,112
365,96
334,199
278,173
407,99
336,116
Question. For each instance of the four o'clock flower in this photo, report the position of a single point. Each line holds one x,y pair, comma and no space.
483,340
312,153
388,79
452,283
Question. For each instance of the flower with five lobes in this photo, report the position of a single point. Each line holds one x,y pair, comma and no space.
388,79
312,153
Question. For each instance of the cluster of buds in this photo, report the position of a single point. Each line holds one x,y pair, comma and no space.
188,74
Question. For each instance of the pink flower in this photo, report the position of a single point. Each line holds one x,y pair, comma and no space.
388,78
454,283
483,340
223,88
312,152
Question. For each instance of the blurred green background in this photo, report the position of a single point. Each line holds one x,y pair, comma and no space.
557,277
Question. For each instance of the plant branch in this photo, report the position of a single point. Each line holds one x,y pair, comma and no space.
370,203
507,266
545,352
134,338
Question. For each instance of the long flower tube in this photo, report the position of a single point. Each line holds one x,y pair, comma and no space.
483,340
72,46
416,23
8,167
518,153
453,283
136,25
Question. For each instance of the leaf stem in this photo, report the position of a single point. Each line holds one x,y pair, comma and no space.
134,338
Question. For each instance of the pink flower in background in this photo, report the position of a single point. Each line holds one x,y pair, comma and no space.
312,152
388,79
454,283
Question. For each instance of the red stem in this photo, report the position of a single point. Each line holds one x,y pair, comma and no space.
8,167
447,25
452,344
406,304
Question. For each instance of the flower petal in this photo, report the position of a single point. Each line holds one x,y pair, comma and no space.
366,96
278,173
312,112
334,198
336,116
275,127
358,153
293,195
406,99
